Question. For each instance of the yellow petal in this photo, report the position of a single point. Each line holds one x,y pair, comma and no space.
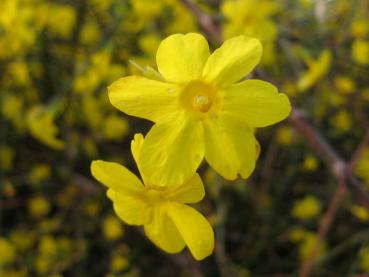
173,150
233,60
181,58
194,229
131,209
116,177
244,142
142,97
230,147
163,233
192,191
256,102
136,145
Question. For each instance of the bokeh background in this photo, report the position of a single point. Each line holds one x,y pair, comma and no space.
58,57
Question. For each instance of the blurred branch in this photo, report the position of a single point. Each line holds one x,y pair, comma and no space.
205,21
338,197
317,142
350,243
359,151
324,227
338,167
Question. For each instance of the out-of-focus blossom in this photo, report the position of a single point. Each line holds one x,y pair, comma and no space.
364,259
8,252
38,206
310,163
112,228
41,125
252,18
360,51
317,69
306,208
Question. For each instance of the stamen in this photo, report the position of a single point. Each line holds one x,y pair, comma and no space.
202,103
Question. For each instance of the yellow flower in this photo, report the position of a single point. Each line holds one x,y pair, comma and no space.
118,263
90,32
306,208
296,235
307,242
22,239
307,246
6,157
199,111
344,84
359,212
364,259
360,51
250,17
38,206
48,246
360,27
168,222
285,135
310,163
61,13
342,120
112,228
42,127
317,70
39,173
7,251
11,108
115,127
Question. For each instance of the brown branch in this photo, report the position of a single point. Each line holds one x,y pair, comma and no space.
335,163
205,21
329,216
324,227
359,152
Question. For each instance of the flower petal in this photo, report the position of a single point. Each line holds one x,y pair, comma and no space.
181,58
145,98
194,229
163,233
116,177
192,191
130,209
136,146
244,142
233,60
173,150
257,102
230,147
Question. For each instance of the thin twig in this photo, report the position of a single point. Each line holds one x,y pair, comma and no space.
335,163
324,227
359,151
205,21
337,199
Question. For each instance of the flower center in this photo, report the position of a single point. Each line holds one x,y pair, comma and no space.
200,98
201,103
154,195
